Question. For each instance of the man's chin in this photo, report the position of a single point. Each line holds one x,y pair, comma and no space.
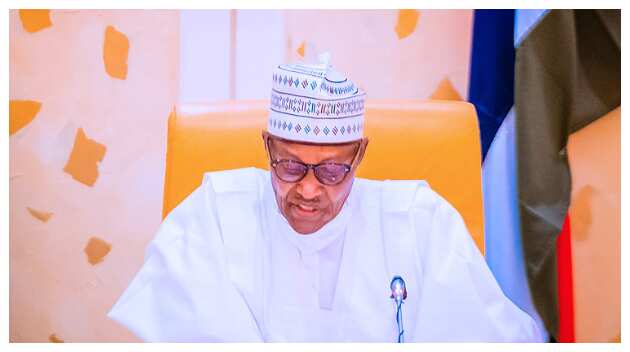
305,227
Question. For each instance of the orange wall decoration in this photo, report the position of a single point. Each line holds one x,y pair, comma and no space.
445,91
407,21
300,49
82,164
21,112
115,52
90,97
96,249
39,215
53,338
35,20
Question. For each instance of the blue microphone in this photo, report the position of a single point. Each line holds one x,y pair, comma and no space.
399,294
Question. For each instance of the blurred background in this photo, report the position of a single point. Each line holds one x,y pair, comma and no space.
91,92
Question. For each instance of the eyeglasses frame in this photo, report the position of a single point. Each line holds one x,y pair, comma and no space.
274,162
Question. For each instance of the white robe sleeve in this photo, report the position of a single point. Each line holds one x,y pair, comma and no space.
461,300
183,292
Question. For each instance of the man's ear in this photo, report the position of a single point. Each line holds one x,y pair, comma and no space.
362,148
264,134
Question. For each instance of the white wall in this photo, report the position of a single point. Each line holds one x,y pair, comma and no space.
260,45
204,55
207,45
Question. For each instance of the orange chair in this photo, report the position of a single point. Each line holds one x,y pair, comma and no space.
437,141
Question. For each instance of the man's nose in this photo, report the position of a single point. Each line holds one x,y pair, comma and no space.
309,187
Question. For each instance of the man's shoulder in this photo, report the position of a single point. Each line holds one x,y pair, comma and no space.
401,195
217,187
249,179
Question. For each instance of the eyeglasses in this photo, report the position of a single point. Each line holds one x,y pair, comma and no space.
292,171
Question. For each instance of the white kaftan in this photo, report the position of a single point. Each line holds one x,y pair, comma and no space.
226,266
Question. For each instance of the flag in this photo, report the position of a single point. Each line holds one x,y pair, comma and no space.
491,84
567,74
492,75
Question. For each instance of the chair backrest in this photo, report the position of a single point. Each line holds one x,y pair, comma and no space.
437,141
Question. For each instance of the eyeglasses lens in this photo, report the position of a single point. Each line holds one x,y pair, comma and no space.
290,171
330,174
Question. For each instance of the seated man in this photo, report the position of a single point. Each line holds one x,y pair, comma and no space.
307,252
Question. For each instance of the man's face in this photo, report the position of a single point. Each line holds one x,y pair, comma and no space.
308,204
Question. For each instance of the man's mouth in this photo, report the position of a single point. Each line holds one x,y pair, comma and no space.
302,210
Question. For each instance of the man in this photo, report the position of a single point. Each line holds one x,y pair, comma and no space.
306,252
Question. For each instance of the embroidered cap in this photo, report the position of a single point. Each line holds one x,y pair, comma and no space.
314,103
